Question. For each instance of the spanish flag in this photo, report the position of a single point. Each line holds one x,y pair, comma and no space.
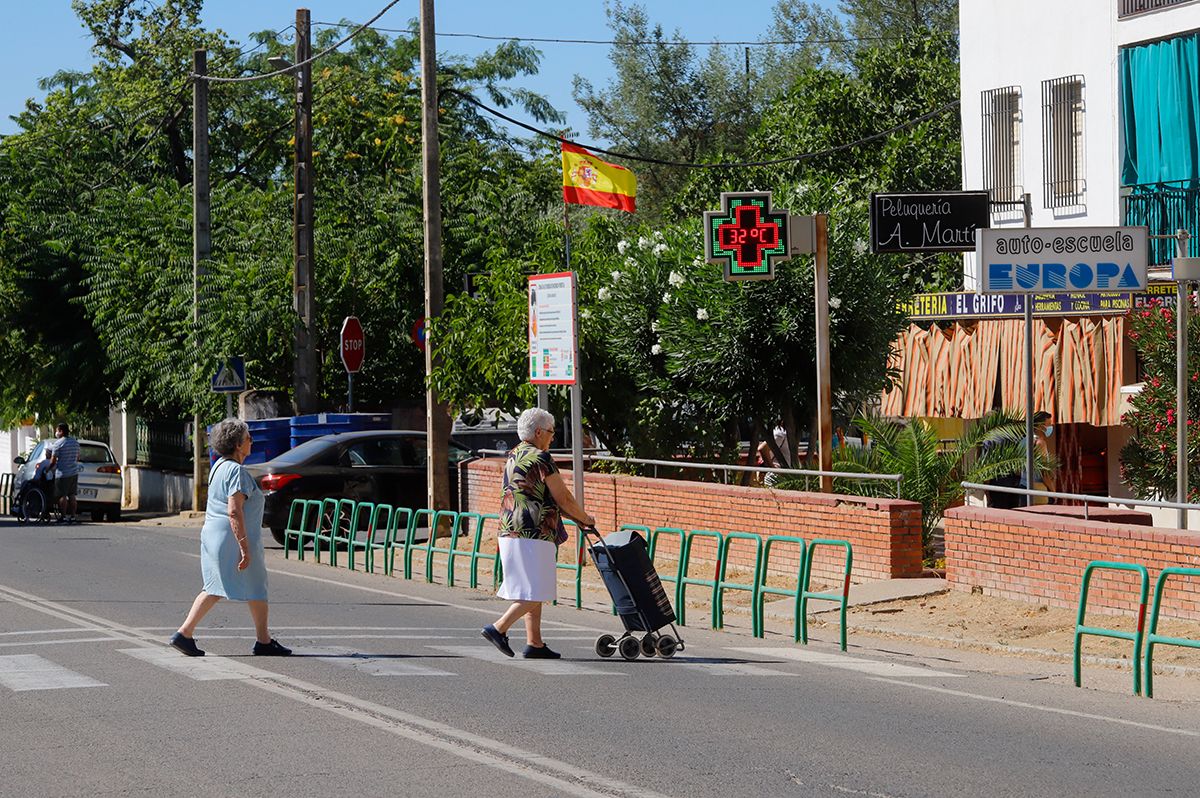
587,180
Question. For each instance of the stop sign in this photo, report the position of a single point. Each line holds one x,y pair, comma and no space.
353,344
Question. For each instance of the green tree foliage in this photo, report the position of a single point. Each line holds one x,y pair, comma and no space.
666,102
95,202
992,447
1148,464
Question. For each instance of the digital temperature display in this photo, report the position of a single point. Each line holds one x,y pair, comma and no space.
746,236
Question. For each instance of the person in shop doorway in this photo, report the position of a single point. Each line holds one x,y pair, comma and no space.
1042,432
1043,429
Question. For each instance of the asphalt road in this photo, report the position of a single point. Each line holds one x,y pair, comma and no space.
393,692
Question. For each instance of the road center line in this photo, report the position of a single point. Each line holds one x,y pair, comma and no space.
563,777
1040,707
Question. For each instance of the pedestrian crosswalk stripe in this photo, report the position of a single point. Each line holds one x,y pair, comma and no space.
21,672
395,665
546,667
201,669
873,667
717,667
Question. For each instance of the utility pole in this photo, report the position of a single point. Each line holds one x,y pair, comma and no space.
824,388
303,299
201,244
437,419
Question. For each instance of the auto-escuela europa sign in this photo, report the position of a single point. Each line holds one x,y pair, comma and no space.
1019,260
941,222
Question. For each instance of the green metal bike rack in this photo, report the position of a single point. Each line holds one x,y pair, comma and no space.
652,545
449,550
1135,636
577,566
378,522
330,510
346,509
764,590
718,621
477,556
397,537
410,536
841,598
684,580
300,531
362,512
312,527
1152,635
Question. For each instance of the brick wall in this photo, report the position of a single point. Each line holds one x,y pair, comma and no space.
885,533
1040,559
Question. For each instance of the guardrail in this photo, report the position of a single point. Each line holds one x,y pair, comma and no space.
726,468
1083,497
358,526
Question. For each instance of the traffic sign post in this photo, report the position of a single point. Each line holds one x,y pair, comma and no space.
230,378
417,333
353,348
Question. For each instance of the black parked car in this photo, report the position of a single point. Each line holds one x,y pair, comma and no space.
385,466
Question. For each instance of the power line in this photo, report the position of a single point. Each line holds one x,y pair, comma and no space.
629,42
251,78
687,165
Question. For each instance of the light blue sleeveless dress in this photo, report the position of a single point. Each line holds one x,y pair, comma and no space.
219,552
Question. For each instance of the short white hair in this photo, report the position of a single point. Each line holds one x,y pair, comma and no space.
228,435
532,420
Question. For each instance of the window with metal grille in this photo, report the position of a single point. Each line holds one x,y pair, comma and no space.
1002,143
1062,141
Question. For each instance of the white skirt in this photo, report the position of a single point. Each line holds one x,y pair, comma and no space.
529,570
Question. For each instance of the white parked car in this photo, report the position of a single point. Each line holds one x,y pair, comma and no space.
100,484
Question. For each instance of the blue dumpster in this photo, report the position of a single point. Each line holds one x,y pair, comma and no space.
305,428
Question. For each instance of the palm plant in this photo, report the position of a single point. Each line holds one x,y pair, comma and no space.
992,447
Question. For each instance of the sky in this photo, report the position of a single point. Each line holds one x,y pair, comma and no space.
51,37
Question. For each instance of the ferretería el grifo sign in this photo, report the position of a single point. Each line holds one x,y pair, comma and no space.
941,222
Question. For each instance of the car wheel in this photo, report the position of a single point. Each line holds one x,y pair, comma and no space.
277,533
113,514
97,515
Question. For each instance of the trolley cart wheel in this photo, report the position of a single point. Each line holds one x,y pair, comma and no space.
649,645
606,645
667,646
629,647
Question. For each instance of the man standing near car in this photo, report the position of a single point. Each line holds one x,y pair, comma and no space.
64,457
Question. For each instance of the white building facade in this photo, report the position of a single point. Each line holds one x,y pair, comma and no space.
1092,108
1050,97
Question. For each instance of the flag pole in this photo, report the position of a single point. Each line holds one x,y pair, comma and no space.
577,386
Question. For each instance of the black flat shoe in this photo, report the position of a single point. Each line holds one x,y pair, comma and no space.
185,645
497,639
272,649
544,652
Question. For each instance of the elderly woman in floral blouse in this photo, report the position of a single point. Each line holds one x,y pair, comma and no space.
531,529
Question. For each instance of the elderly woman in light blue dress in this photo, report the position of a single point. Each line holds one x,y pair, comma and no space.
231,552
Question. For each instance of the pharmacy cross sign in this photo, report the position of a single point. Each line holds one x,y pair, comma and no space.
746,236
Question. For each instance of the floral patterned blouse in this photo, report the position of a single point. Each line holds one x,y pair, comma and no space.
527,509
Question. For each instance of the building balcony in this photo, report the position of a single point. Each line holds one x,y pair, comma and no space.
1165,208
1132,8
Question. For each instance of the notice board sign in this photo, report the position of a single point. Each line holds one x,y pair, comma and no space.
552,329
1043,260
941,222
